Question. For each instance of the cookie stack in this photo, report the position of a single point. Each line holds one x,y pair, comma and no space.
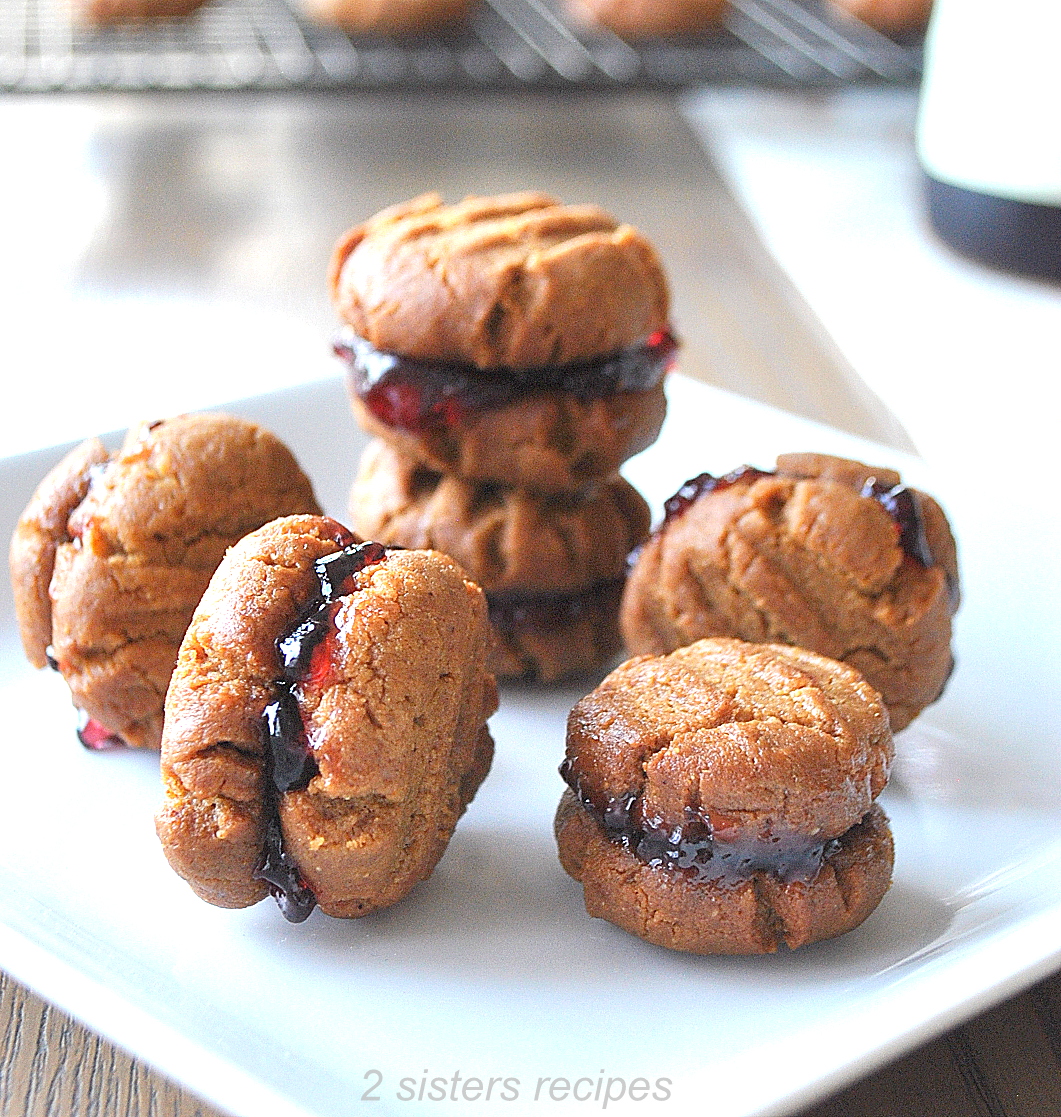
508,354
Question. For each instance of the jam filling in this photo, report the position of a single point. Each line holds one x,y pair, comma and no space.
695,488
95,735
305,653
419,396
550,612
692,849
901,503
904,507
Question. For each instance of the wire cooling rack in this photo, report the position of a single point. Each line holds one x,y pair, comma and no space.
268,44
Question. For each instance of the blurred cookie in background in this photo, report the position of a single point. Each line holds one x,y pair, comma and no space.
132,11
893,17
644,19
388,17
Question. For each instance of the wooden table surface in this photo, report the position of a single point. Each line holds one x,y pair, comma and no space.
745,329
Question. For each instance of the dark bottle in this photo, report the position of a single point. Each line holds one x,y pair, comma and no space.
989,132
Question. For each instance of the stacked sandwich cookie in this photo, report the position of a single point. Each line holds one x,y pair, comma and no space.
508,354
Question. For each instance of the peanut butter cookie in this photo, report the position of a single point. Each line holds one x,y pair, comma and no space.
508,540
640,19
822,552
326,723
112,554
721,798
388,17
506,339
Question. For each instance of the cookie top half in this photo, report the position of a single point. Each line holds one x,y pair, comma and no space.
750,741
511,281
821,552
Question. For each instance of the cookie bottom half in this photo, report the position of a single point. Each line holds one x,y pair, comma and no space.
755,916
549,637
549,442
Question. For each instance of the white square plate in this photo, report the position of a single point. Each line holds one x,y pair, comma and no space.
492,970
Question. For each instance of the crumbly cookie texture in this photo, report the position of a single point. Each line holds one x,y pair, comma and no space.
396,724
801,557
41,530
112,554
638,19
507,539
759,748
550,441
511,281
388,17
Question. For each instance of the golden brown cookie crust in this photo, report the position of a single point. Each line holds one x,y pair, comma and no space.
125,547
398,728
506,539
40,531
756,735
802,558
638,19
549,442
758,747
511,281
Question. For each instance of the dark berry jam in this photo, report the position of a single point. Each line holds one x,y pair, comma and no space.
904,507
294,899
291,764
692,847
420,396
342,536
96,736
695,488
901,503
550,612
305,656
